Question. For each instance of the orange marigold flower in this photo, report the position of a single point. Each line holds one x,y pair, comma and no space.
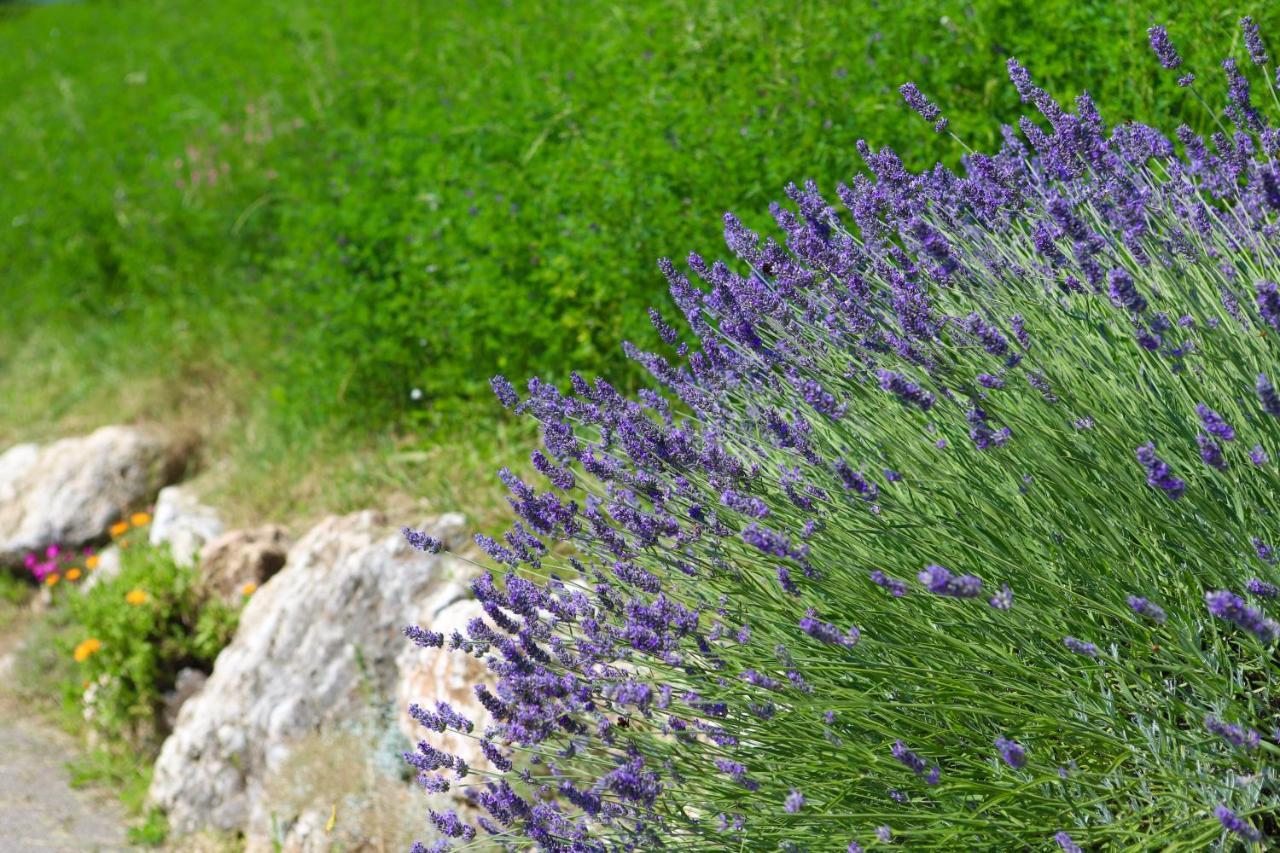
136,596
248,589
73,574
91,562
51,580
119,528
138,519
86,649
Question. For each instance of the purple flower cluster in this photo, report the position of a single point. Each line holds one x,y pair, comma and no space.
897,588
1080,647
828,633
917,764
940,581
1146,608
1234,823
1159,475
1225,604
1012,752
1240,738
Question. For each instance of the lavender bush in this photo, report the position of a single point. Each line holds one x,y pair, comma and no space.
952,526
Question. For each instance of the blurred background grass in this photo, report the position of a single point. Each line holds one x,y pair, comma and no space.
313,230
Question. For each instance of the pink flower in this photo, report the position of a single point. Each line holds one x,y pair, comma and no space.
52,551
29,561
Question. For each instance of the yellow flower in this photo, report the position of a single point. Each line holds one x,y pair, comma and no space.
136,597
73,574
51,580
248,589
119,528
91,562
87,648
138,519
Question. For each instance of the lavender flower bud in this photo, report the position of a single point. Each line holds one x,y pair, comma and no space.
1226,605
1253,41
940,581
1163,48
421,540
1159,475
1146,608
897,588
1267,396
1080,647
1012,753
1234,823
1214,424
922,105
917,764
1262,589
1240,738
1068,846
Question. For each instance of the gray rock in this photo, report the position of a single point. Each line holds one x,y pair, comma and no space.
317,644
69,492
183,523
187,684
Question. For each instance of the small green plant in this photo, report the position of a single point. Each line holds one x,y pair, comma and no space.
134,633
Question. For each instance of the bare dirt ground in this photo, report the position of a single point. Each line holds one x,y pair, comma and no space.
39,810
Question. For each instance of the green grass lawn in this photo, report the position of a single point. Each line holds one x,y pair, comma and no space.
273,220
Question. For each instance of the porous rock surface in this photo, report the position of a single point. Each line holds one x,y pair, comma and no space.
69,492
241,557
317,643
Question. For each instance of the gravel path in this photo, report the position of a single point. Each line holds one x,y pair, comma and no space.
39,810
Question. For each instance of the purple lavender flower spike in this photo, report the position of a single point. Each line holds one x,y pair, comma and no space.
917,764
1240,738
424,638
1066,843
1211,452
1234,823
1164,49
1268,299
923,106
794,802
1267,396
504,391
906,391
1080,647
1264,551
1146,608
1214,424
1012,752
1002,600
1159,475
421,541
826,632
1262,589
1226,605
1124,293
1258,456
1253,41
940,581
897,588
